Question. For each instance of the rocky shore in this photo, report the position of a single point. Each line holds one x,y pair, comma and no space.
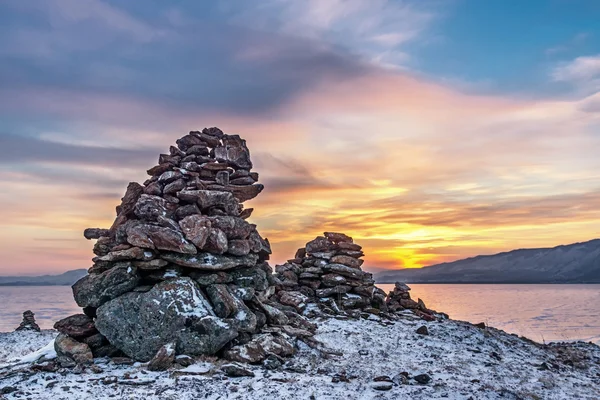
368,359
181,302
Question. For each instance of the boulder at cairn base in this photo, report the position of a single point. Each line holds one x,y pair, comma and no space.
173,311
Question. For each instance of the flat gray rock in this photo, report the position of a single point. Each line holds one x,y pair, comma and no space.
96,289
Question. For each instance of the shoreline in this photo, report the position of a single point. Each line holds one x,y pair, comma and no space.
538,322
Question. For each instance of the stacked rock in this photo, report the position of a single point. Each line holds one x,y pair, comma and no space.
28,323
180,266
399,299
328,272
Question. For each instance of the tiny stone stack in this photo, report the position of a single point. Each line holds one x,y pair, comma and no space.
399,299
327,272
28,323
181,268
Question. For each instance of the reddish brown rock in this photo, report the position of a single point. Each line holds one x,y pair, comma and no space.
347,260
246,180
338,237
238,247
164,358
154,189
160,169
234,152
160,238
223,302
247,192
246,213
188,141
349,246
319,244
196,229
210,140
95,233
77,326
68,347
134,253
149,208
332,280
294,299
216,242
128,202
198,150
174,187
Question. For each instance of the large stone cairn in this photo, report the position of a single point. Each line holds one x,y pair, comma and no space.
181,268
327,272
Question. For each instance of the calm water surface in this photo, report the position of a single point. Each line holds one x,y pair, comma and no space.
49,303
540,312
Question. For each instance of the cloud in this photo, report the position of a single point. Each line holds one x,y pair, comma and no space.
583,72
91,48
66,13
371,28
21,149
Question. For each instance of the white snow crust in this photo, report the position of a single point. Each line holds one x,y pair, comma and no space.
463,361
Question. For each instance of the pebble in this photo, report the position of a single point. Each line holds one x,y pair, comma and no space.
383,385
423,330
272,363
423,379
236,370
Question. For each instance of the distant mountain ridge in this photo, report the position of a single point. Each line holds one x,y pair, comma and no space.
67,278
574,263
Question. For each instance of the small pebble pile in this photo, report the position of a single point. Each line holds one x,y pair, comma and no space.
327,272
28,323
181,271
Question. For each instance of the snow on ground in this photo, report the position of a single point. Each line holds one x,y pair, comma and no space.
17,344
464,362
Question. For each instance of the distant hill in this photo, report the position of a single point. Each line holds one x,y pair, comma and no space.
574,263
68,278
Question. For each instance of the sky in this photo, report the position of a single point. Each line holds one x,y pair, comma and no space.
429,131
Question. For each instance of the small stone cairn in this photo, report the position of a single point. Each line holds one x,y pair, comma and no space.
399,299
181,271
28,323
327,272
325,279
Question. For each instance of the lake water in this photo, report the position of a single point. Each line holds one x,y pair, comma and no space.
540,312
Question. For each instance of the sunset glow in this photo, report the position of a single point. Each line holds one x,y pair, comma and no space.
364,134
